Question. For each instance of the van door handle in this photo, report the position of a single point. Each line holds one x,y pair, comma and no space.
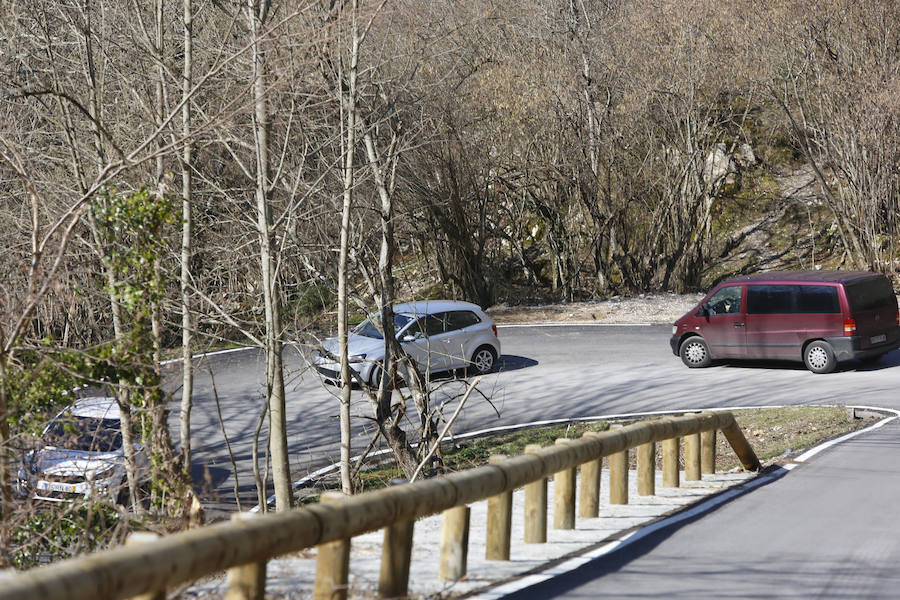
738,324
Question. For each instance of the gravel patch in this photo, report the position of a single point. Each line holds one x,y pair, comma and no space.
645,308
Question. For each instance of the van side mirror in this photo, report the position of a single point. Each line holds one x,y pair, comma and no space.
706,309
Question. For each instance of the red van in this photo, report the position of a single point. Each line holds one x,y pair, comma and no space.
819,317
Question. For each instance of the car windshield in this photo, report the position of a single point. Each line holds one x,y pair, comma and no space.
371,327
84,433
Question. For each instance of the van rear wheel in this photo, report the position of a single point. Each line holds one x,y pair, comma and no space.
819,357
695,353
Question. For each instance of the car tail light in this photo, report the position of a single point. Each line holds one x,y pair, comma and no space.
494,327
850,326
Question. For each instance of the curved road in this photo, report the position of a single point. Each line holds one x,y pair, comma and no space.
546,372
827,530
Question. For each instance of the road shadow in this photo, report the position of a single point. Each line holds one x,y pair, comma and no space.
511,362
885,361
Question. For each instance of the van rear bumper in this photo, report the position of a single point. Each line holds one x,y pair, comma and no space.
850,348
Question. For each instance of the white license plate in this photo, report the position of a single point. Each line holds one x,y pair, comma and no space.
50,486
877,339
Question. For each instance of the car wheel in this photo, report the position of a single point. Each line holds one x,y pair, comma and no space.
123,497
484,360
375,375
695,353
819,357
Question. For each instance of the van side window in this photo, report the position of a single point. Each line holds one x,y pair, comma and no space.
818,299
726,301
770,299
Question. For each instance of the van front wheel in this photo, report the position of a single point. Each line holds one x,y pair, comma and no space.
695,353
819,357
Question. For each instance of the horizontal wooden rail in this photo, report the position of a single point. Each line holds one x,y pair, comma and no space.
129,571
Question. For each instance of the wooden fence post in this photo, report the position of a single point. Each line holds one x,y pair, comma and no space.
692,457
246,582
332,563
646,469
589,492
708,452
396,552
454,543
671,462
499,522
741,447
564,496
618,477
139,538
535,506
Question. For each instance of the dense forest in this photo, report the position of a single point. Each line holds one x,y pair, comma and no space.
176,175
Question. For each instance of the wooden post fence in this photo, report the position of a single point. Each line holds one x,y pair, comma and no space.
243,546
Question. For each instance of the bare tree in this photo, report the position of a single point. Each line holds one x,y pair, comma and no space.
836,89
257,17
187,218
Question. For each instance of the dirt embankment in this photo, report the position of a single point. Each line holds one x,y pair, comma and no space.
646,308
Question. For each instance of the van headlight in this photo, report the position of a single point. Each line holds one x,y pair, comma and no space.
674,329
356,358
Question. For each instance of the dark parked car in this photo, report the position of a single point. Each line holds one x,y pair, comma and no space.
821,318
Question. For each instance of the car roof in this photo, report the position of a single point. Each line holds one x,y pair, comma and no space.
806,276
426,307
98,407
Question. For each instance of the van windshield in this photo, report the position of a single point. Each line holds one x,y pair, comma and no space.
870,294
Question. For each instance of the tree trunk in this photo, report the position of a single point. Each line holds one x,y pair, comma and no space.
393,433
187,387
5,458
348,104
281,472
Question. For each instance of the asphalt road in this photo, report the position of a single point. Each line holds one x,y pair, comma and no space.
546,372
827,530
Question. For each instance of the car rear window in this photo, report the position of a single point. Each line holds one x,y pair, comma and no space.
460,319
870,294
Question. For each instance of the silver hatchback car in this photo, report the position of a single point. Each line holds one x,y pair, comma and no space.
80,455
440,335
